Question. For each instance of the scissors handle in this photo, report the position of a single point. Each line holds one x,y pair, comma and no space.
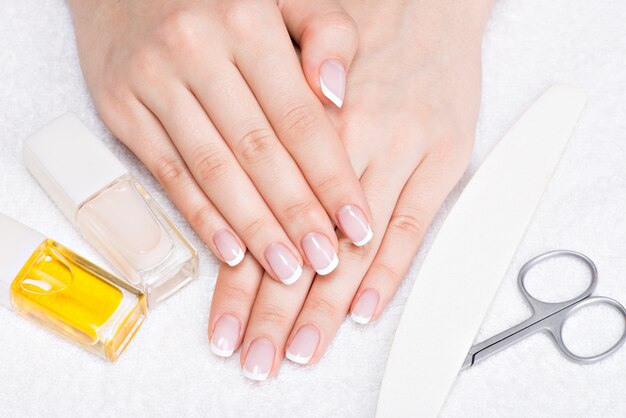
555,325
544,309
550,317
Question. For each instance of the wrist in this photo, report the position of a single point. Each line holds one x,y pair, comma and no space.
427,22
456,18
86,10
471,15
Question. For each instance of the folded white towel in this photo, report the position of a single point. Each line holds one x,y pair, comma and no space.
169,370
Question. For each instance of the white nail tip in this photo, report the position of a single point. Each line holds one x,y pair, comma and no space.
368,238
255,375
294,278
332,266
236,260
296,358
221,352
360,319
331,96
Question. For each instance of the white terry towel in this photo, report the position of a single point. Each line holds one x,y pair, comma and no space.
168,370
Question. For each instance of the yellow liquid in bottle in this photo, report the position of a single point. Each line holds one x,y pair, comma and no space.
59,289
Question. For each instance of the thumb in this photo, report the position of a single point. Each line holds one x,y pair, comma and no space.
328,39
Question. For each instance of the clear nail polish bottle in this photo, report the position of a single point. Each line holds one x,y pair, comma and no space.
110,208
49,284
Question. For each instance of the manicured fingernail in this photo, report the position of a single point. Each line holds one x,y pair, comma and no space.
259,360
365,307
229,247
354,224
303,345
283,262
225,335
333,81
320,253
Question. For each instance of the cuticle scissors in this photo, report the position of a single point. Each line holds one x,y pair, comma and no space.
549,316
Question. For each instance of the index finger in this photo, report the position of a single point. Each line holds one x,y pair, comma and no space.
304,129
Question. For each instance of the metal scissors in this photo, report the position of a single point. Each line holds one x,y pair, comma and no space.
550,317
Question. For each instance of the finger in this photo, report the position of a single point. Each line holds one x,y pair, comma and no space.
270,324
329,299
276,176
328,39
137,127
422,197
217,172
301,124
234,295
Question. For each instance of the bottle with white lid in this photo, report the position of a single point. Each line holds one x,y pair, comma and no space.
110,208
51,285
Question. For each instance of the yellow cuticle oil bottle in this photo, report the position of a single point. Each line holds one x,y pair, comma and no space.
48,283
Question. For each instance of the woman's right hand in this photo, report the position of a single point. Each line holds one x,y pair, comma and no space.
211,96
419,71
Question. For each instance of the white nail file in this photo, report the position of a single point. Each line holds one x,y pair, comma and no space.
470,256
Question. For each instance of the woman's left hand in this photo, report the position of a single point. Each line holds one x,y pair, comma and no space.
408,124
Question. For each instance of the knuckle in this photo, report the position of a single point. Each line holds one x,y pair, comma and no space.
407,224
241,18
201,217
453,148
169,172
113,91
233,290
326,306
300,209
388,271
144,66
179,32
353,255
300,122
272,313
339,23
116,110
342,21
252,228
255,144
328,183
210,165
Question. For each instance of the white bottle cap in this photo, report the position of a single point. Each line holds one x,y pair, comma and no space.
70,163
17,244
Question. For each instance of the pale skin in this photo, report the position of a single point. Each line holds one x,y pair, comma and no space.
395,149
408,124
225,119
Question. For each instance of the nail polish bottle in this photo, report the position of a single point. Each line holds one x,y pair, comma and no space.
49,284
110,208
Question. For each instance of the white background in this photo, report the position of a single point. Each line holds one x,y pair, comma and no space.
168,369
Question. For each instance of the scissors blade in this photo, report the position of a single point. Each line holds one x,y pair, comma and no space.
469,362
471,254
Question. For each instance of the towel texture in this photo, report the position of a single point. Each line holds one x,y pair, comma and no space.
169,371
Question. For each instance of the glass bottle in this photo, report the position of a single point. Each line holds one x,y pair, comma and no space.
110,208
45,282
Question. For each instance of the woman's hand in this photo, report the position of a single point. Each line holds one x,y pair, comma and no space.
408,124
210,95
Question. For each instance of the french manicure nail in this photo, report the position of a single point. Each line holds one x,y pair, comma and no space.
225,335
283,262
333,81
320,253
365,307
229,247
259,360
355,225
303,345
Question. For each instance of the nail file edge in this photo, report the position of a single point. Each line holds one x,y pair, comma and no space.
449,300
